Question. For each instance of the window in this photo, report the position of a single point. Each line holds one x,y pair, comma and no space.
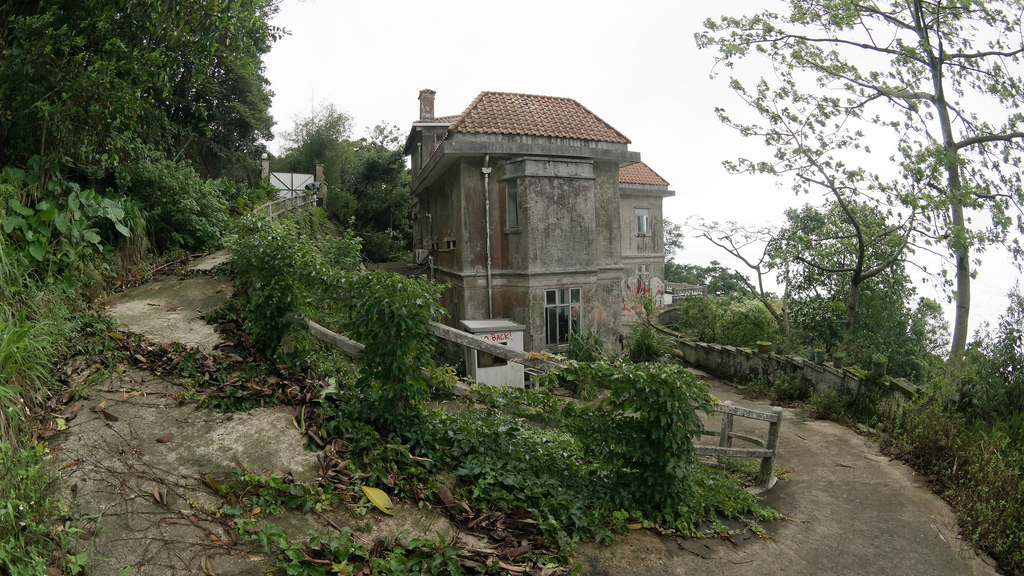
643,221
643,276
561,314
486,360
512,204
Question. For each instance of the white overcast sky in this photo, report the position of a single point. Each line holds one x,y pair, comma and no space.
634,64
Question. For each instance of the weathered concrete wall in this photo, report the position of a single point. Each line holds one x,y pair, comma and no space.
606,239
647,250
558,216
742,365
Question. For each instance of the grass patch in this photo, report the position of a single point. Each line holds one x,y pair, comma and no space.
35,529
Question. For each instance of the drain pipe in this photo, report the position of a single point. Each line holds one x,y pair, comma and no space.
487,222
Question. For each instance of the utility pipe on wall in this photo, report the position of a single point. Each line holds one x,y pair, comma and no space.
487,222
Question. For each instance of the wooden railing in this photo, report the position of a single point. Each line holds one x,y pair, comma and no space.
352,348
768,447
276,208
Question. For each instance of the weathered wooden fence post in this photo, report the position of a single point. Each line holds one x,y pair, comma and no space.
764,475
725,440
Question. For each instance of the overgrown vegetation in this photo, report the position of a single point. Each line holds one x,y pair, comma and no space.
971,444
731,320
577,473
368,179
36,531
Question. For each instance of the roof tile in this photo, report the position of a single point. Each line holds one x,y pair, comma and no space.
530,115
640,173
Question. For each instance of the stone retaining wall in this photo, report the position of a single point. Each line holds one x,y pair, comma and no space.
743,365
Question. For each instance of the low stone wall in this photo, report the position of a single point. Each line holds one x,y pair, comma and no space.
743,365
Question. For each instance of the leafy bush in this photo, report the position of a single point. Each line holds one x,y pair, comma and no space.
284,270
586,346
826,405
182,209
385,246
645,344
389,314
642,433
993,387
245,199
731,320
27,352
54,228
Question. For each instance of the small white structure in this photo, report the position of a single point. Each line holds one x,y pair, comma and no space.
489,369
289,184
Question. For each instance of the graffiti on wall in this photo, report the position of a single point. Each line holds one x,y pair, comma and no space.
634,288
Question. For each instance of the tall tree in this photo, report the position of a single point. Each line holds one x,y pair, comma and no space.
323,137
742,243
923,70
91,83
367,178
838,249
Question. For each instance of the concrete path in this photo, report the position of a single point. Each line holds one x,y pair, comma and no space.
849,511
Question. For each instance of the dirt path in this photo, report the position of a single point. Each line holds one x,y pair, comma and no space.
849,510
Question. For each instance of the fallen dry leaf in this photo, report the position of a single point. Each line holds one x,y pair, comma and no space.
208,567
160,493
165,438
108,416
175,309
446,495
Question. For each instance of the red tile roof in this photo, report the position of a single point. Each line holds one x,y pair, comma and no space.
640,173
438,120
529,115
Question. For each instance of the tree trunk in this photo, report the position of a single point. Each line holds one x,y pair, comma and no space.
961,252
851,313
958,237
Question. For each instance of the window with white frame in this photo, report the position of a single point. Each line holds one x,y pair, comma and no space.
512,204
643,221
561,314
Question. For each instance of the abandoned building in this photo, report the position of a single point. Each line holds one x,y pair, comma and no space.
534,210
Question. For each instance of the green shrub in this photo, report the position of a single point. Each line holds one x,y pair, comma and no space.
586,346
53,228
287,269
826,405
244,199
642,433
27,353
730,320
389,314
385,246
182,209
645,344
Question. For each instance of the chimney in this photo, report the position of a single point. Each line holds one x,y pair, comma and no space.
427,104
318,172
